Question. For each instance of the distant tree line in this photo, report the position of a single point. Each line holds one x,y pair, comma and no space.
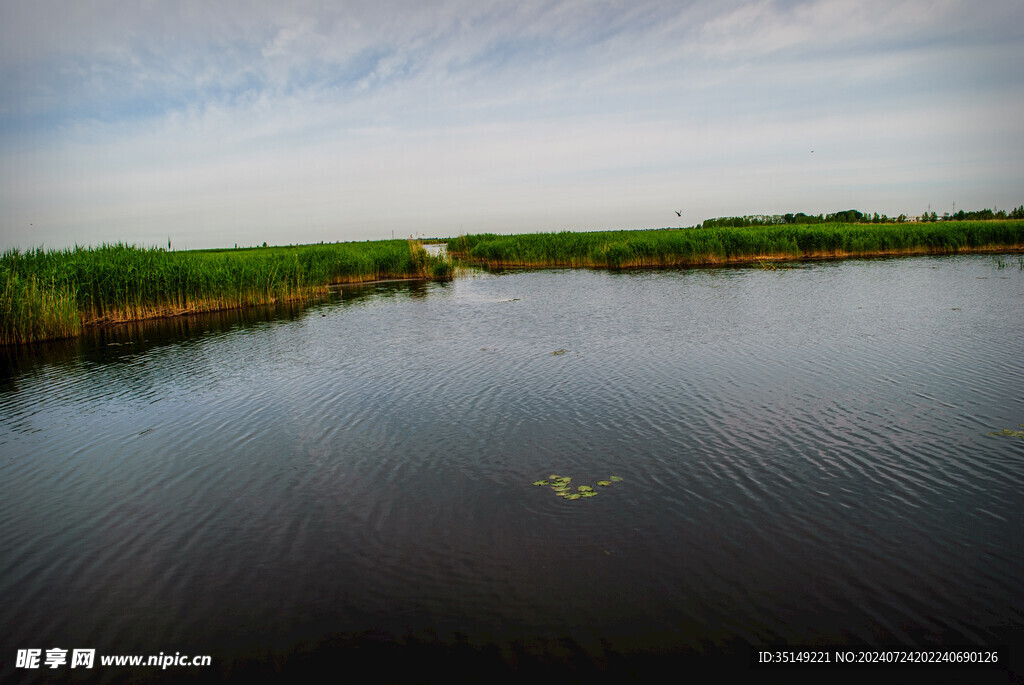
852,216
982,215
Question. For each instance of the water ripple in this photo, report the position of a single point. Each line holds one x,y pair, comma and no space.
806,457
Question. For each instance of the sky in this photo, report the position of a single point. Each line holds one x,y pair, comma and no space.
210,124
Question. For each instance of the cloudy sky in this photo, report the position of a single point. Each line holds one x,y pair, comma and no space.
215,123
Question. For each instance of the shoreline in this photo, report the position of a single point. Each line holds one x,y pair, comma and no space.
174,312
97,326
58,294
199,310
734,262
654,264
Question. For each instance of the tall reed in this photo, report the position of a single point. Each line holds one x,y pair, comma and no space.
707,246
52,293
31,310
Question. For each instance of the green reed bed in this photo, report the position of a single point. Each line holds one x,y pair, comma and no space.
46,294
708,246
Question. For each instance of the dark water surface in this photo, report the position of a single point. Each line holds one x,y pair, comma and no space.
806,458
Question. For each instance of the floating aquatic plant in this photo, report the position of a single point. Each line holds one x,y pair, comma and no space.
1010,433
560,486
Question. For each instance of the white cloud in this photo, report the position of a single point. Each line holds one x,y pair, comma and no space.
329,121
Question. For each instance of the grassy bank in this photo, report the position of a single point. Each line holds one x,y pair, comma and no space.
47,294
725,245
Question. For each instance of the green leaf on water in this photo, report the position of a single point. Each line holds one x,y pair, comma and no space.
560,486
615,478
1010,433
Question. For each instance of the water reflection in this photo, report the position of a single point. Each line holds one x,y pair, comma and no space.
122,341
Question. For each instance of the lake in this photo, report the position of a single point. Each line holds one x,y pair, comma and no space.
806,458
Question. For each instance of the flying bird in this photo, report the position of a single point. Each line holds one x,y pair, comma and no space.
678,214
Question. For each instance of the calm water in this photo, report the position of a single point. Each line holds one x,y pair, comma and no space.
805,453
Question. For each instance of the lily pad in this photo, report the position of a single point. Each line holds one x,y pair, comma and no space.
614,478
1010,433
558,353
560,486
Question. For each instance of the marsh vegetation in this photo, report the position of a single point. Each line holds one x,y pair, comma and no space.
743,244
48,294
